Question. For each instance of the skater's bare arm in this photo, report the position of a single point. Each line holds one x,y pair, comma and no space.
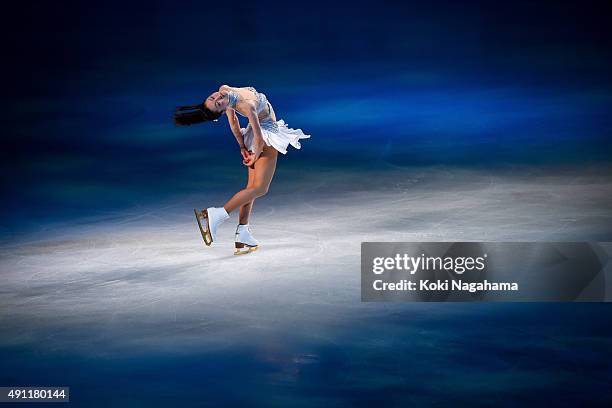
258,142
234,123
254,121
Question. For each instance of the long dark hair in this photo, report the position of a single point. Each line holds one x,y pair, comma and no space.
192,114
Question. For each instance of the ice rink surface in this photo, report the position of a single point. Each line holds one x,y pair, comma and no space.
133,300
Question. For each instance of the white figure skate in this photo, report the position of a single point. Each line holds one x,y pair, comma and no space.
213,217
245,243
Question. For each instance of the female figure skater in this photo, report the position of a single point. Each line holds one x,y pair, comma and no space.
259,144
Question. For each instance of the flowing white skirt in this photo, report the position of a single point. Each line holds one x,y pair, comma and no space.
275,134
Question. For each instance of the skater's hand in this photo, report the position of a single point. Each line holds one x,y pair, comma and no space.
258,142
245,154
246,161
254,155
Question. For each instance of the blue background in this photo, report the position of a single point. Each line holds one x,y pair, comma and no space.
89,90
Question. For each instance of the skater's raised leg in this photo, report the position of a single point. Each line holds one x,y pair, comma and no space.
264,169
259,182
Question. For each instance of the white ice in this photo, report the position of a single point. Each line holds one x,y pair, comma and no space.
142,278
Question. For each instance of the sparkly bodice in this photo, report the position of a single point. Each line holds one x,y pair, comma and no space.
261,104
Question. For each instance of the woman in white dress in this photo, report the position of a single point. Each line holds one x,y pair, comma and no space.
260,142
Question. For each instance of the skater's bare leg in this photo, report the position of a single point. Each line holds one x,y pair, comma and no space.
264,171
245,209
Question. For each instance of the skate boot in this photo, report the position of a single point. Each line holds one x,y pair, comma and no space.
212,217
245,243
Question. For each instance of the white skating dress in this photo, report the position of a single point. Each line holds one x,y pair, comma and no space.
276,134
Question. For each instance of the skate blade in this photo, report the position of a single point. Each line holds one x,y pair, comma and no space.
245,250
206,236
